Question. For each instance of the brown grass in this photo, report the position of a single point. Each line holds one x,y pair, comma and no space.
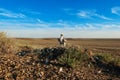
96,45
7,45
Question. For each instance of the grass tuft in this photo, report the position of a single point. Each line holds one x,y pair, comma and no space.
109,58
7,45
74,57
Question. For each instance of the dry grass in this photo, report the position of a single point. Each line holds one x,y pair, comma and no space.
7,45
37,43
89,43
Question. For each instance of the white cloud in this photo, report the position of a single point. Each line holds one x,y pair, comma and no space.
68,33
116,10
91,14
7,13
102,17
40,21
20,25
44,29
85,14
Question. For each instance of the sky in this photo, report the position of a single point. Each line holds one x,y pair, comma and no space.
50,18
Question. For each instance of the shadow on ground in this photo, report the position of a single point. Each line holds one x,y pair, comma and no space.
107,68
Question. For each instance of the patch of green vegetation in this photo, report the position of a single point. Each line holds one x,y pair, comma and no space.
74,57
109,58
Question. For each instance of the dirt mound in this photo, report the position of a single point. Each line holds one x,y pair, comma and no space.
30,67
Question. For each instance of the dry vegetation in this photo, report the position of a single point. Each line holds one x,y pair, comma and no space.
7,45
24,59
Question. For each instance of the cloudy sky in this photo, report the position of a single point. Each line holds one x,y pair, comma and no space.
49,18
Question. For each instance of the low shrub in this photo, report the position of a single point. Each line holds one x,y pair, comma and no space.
73,57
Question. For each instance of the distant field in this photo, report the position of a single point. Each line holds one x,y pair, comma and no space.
97,45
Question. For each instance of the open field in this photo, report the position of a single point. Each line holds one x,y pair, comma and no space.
96,45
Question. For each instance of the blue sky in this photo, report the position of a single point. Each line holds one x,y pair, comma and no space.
49,18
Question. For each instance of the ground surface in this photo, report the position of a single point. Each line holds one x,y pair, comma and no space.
28,67
96,45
